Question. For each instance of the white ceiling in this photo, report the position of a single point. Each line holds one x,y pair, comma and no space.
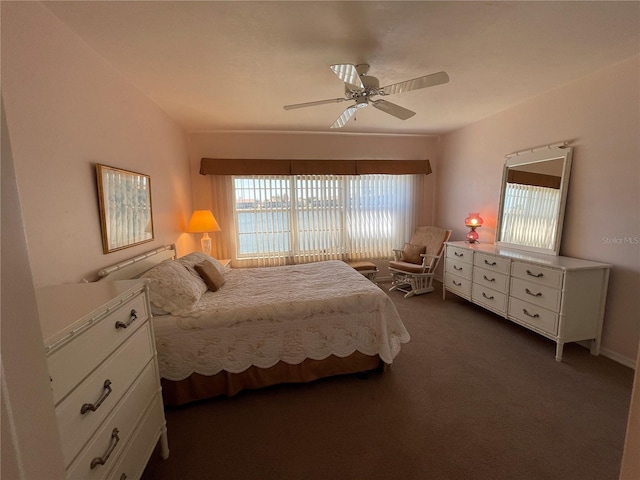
234,65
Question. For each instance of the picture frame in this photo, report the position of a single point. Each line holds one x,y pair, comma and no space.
126,215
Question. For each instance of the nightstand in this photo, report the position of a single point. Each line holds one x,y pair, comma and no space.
225,262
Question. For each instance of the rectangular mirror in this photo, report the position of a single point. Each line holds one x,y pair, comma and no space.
533,198
125,208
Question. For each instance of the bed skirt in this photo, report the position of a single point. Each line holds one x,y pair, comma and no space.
199,387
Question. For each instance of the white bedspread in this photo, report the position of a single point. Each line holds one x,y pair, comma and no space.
261,316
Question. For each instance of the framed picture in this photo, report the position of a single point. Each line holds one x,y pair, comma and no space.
125,208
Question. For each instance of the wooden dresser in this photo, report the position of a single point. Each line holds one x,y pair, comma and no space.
562,298
101,355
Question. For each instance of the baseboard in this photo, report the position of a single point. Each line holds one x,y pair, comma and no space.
616,357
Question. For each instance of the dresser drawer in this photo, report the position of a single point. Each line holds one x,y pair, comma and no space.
109,441
93,345
119,371
462,255
459,285
133,462
456,267
534,316
491,262
541,295
490,279
489,298
536,273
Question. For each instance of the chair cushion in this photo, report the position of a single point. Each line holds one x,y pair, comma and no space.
411,253
362,266
406,267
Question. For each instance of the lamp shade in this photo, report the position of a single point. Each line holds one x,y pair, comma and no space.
473,220
202,221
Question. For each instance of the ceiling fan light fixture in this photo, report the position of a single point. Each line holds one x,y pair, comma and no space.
360,87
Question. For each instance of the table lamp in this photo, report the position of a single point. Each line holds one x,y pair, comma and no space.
203,221
473,221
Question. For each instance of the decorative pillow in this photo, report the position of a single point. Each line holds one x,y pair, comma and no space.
172,288
211,276
194,258
411,253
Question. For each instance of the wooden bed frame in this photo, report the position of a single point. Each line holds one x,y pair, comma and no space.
199,387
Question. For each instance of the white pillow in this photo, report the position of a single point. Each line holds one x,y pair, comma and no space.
192,259
173,288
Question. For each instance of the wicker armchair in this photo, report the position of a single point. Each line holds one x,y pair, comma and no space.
413,267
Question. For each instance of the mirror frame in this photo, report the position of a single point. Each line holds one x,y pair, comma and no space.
531,157
128,197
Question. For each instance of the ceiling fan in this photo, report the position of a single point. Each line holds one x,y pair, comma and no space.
360,87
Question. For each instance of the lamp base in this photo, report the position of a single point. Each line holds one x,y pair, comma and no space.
472,236
205,243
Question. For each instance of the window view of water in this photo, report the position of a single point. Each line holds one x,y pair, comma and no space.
324,229
337,215
263,231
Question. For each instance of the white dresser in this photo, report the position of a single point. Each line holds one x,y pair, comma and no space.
102,363
562,298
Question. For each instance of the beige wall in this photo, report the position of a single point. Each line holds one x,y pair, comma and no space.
600,116
67,110
29,434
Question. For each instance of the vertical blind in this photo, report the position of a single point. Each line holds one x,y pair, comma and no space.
530,215
287,219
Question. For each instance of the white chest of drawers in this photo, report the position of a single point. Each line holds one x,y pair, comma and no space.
562,298
102,363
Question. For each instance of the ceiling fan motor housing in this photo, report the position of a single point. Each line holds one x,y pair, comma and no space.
371,87
361,102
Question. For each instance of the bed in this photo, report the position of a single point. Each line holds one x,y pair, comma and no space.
261,326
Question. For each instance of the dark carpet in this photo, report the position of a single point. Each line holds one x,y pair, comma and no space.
472,396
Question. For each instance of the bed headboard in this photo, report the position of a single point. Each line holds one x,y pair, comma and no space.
136,266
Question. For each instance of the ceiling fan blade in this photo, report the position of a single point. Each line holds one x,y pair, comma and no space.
344,118
420,82
312,104
348,74
393,109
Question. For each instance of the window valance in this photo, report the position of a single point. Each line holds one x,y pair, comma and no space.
217,166
535,179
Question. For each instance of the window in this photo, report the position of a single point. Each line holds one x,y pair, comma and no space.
319,217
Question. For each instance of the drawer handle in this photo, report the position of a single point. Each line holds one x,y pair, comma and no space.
102,460
539,294
488,279
535,275
458,254
535,315
491,264
456,283
485,296
133,318
457,268
90,407
123,476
